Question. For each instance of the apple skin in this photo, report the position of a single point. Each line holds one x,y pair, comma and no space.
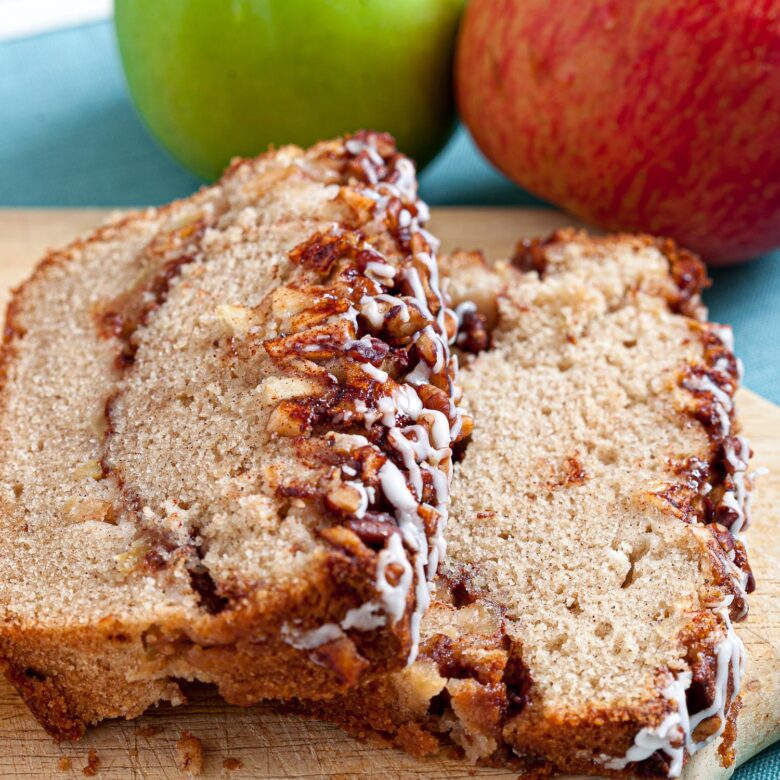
218,78
660,116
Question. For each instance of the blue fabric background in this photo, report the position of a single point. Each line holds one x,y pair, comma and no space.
70,137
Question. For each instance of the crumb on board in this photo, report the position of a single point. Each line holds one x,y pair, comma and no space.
189,754
231,764
64,764
93,764
149,731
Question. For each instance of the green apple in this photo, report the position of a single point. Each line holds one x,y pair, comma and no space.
218,78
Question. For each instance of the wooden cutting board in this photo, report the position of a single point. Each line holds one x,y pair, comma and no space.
259,743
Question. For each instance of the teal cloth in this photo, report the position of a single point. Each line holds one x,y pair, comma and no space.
69,137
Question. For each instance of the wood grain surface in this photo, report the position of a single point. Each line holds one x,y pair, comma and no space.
259,743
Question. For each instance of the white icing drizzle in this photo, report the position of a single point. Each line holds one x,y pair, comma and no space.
735,451
394,596
669,736
725,334
351,440
461,310
737,495
394,301
384,271
410,454
405,183
366,617
412,276
351,315
374,372
418,454
721,399
407,402
420,375
417,438
736,498
440,427
364,497
730,655
308,640
369,308
674,735
441,487
397,493
423,215
433,242
423,445
739,579
375,314
357,145
726,601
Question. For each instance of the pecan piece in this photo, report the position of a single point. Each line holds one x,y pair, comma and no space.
374,528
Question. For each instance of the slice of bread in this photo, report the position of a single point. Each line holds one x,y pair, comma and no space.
226,430
583,617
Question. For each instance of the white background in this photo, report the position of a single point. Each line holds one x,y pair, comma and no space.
21,18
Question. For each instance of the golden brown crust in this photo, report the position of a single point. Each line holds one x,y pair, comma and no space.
55,672
47,702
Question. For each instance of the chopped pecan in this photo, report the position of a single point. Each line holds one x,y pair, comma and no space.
289,418
319,343
402,322
474,335
343,659
530,255
344,498
368,350
374,528
435,398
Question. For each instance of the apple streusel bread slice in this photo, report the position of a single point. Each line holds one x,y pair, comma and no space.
582,620
226,430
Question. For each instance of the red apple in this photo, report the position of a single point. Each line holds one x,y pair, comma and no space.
650,115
